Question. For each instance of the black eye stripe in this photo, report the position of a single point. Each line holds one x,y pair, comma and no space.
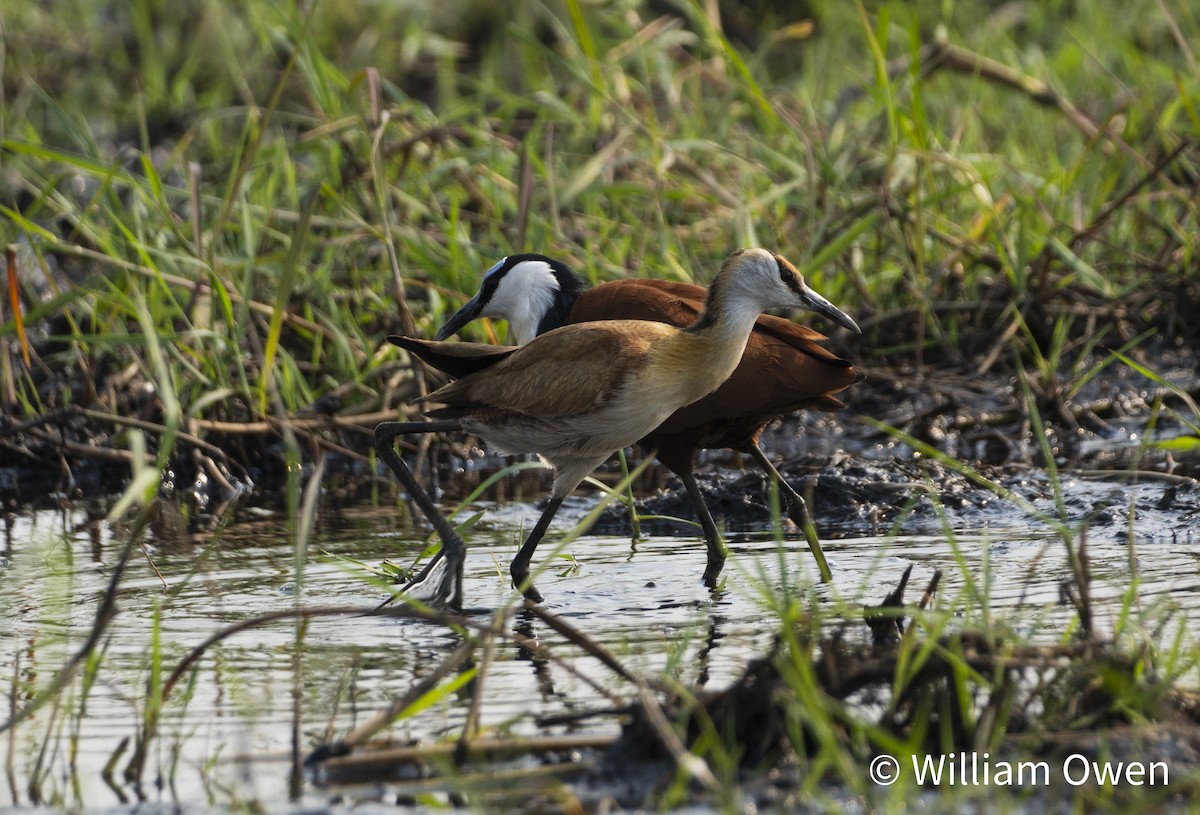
788,275
491,283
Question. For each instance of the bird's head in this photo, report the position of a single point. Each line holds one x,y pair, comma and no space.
533,292
762,279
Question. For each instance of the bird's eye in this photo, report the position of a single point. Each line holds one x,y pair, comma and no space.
784,274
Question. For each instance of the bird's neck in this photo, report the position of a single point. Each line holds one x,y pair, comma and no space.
522,326
527,310
730,309
720,335
559,312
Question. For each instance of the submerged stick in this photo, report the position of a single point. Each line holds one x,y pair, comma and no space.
480,749
471,726
366,768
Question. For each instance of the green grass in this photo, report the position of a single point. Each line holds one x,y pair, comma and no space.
245,156
219,213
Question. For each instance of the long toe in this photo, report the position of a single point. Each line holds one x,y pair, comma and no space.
439,585
712,571
523,583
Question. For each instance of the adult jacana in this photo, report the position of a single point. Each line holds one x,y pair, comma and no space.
782,369
576,394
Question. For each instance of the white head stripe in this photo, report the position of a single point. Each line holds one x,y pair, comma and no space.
494,269
523,296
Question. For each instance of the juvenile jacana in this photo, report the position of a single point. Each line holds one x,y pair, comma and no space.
576,394
782,369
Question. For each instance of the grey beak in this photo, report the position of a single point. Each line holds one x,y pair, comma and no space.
817,303
460,318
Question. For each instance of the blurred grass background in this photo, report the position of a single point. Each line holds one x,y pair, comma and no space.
217,211
213,207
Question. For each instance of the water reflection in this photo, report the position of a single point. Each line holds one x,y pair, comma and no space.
644,603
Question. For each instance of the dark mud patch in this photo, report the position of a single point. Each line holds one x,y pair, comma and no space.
852,496
1110,418
915,452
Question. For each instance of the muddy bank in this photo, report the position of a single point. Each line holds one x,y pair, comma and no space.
969,455
849,495
859,476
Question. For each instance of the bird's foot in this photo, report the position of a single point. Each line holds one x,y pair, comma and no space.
713,571
438,586
523,583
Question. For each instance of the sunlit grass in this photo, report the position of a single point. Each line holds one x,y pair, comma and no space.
326,194
227,226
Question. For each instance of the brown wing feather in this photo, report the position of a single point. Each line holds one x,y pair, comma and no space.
785,330
659,301
564,372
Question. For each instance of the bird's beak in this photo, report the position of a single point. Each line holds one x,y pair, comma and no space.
815,302
460,318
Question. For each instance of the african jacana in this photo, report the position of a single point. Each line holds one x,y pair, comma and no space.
782,369
576,394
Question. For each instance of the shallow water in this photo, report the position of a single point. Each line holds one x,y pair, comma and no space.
644,601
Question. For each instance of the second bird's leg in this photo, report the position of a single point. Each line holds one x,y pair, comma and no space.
712,536
797,510
519,568
448,590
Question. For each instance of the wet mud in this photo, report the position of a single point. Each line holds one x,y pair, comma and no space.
850,496
964,452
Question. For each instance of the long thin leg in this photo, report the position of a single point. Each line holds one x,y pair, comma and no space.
712,536
797,510
519,568
449,561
